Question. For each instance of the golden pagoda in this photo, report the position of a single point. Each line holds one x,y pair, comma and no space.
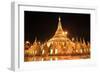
59,35
59,41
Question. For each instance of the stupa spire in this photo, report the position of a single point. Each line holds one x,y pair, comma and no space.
59,24
59,18
35,41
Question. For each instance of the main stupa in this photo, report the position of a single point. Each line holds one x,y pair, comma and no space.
60,35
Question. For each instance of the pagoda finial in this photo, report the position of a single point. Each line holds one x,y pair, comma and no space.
59,18
59,24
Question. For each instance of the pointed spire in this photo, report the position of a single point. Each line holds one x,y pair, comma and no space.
59,19
80,40
84,43
59,30
88,44
35,39
76,39
83,40
59,24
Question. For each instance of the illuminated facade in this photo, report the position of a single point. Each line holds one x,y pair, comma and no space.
59,47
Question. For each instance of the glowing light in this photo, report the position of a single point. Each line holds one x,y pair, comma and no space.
56,58
42,59
63,33
51,58
66,33
27,42
56,51
51,51
42,52
35,51
81,51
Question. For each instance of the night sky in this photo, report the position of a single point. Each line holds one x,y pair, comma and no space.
44,24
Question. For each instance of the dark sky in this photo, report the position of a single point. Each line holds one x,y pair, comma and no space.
44,24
